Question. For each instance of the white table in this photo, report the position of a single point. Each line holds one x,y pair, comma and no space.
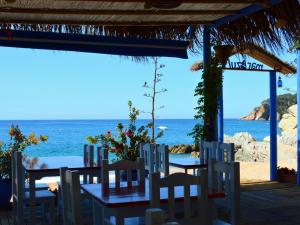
49,167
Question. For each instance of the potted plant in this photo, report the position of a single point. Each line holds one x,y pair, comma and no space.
126,144
286,175
223,52
18,142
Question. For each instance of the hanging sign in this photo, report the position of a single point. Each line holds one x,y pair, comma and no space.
245,65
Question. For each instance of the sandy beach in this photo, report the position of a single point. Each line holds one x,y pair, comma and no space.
260,171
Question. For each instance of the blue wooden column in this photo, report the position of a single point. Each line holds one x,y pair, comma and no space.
221,116
213,128
206,46
273,126
298,116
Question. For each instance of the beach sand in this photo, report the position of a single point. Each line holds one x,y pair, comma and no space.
260,171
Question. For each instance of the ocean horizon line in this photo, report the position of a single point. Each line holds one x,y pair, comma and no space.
105,119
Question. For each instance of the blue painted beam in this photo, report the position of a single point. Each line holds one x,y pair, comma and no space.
298,115
206,46
244,12
221,117
273,126
94,44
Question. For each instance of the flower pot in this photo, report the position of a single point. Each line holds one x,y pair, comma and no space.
5,193
286,178
223,52
281,23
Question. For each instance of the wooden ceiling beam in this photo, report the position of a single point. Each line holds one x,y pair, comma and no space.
104,23
115,12
183,1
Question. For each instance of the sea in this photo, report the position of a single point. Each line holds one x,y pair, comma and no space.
67,137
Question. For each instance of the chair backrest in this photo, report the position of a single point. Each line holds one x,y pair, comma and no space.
71,199
123,166
173,183
162,159
88,160
156,216
102,153
88,155
225,152
208,151
147,153
18,187
156,157
225,177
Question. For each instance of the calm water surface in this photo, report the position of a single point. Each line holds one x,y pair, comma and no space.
66,137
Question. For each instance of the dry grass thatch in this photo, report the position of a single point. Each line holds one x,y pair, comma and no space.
263,28
271,28
260,55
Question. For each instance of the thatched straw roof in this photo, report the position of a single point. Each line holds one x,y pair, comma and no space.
260,55
270,26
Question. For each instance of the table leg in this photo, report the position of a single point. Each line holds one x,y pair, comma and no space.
98,214
32,197
119,220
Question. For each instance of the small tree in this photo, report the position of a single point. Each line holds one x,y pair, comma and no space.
152,94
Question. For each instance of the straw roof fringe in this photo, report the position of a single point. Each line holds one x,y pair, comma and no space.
260,28
261,55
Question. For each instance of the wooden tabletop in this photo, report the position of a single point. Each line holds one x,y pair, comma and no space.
187,163
54,163
135,195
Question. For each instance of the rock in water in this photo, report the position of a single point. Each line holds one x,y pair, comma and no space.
242,138
247,148
182,149
195,154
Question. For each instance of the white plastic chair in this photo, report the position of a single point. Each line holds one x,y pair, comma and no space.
118,167
225,177
71,197
147,153
156,216
88,160
156,157
225,152
44,199
64,191
198,213
162,159
208,151
122,166
102,153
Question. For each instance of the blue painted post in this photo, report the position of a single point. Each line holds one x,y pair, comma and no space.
206,46
298,115
273,126
221,117
206,60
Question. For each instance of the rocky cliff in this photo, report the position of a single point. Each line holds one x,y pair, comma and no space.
262,112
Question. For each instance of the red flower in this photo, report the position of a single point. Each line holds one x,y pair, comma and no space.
108,134
128,133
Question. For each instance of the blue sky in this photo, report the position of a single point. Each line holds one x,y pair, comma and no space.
39,84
